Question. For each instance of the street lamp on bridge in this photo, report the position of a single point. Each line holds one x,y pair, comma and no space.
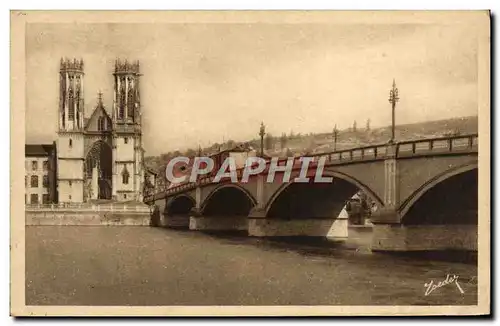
261,134
335,134
393,99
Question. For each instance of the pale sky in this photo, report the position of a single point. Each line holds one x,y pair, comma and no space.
205,82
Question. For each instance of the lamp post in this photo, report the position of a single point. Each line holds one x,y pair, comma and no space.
335,134
393,99
261,134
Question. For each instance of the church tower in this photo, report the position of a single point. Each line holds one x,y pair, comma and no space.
70,142
128,173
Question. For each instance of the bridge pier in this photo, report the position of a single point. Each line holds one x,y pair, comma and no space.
260,226
161,218
156,218
198,222
218,223
399,237
385,220
327,228
389,234
175,221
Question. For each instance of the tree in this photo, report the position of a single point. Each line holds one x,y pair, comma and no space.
289,153
190,152
268,141
354,126
166,157
283,140
368,125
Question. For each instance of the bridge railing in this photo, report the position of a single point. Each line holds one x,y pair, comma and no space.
439,144
371,152
366,152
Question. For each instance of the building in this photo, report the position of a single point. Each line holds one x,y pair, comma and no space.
150,182
40,179
100,156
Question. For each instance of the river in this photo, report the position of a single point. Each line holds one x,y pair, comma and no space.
87,265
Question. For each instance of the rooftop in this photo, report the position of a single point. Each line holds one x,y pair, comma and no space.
38,149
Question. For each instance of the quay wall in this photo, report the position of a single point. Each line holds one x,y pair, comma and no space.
73,216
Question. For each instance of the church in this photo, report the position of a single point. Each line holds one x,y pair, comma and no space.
99,157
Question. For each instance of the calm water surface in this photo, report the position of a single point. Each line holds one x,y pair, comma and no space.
86,265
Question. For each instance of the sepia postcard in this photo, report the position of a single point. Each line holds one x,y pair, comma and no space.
250,163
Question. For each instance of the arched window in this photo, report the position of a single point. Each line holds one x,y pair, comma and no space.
121,113
101,124
70,142
125,175
71,105
34,181
131,101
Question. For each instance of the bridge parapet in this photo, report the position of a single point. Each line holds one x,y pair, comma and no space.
453,144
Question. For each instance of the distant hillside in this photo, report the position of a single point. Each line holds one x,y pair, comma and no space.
316,143
463,125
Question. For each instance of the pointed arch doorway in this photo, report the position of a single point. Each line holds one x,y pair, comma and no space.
98,171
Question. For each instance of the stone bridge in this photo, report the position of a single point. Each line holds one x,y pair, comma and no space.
425,193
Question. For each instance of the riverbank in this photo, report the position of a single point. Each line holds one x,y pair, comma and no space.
89,217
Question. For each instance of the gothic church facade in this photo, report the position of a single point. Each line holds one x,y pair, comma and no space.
99,157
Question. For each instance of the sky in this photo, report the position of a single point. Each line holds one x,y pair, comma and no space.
204,83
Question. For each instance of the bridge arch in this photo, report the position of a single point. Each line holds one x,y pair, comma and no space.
467,171
180,205
228,199
336,194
